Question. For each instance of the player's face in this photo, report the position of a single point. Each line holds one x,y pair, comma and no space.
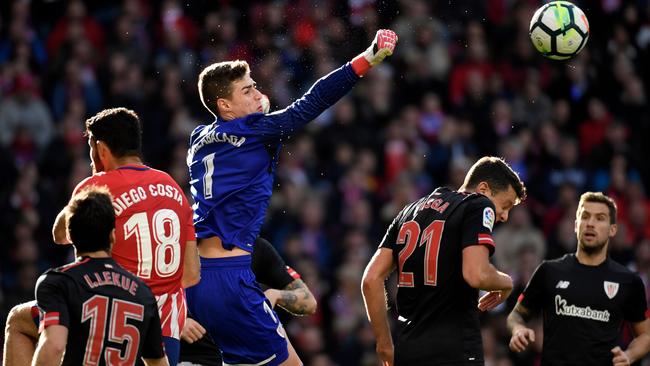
245,98
503,201
593,227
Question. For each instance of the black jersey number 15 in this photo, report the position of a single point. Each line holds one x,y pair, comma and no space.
120,330
409,234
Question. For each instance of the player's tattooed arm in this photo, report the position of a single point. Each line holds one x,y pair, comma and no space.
519,317
297,299
522,335
523,312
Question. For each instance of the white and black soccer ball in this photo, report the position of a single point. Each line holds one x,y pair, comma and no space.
559,30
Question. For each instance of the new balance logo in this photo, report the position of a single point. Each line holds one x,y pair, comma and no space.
562,284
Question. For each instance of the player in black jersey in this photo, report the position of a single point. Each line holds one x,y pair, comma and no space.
92,311
285,289
584,298
440,246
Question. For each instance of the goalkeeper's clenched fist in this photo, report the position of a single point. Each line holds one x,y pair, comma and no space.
382,46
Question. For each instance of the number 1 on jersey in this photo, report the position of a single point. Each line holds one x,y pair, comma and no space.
409,234
208,163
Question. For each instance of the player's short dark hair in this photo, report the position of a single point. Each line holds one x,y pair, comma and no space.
119,128
498,175
215,81
90,219
600,198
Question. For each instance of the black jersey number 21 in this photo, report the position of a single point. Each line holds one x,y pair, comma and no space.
409,234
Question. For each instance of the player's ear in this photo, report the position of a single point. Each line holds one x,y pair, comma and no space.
223,104
105,154
483,188
613,229
102,149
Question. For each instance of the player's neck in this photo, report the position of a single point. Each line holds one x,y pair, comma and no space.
128,160
594,259
97,254
227,116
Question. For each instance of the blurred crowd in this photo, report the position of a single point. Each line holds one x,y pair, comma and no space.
464,82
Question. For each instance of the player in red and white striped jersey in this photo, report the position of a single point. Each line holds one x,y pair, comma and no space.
154,223
154,231
153,218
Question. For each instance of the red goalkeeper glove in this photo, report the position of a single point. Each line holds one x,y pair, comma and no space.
382,46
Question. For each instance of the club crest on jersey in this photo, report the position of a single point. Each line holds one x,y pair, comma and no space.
611,289
488,218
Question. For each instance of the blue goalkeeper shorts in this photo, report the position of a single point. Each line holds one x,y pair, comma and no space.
231,306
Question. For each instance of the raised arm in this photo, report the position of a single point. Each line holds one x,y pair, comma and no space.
374,297
59,234
328,89
59,229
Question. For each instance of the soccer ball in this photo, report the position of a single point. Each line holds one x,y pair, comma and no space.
559,30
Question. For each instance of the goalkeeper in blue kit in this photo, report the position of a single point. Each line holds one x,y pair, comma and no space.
232,162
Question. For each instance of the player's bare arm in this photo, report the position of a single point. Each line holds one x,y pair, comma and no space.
374,296
522,336
191,265
51,346
479,273
638,348
59,234
156,362
21,336
297,299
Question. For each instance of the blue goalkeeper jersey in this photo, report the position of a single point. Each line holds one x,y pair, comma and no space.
232,163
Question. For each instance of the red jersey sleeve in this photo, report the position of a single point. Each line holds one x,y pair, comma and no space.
81,185
89,181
